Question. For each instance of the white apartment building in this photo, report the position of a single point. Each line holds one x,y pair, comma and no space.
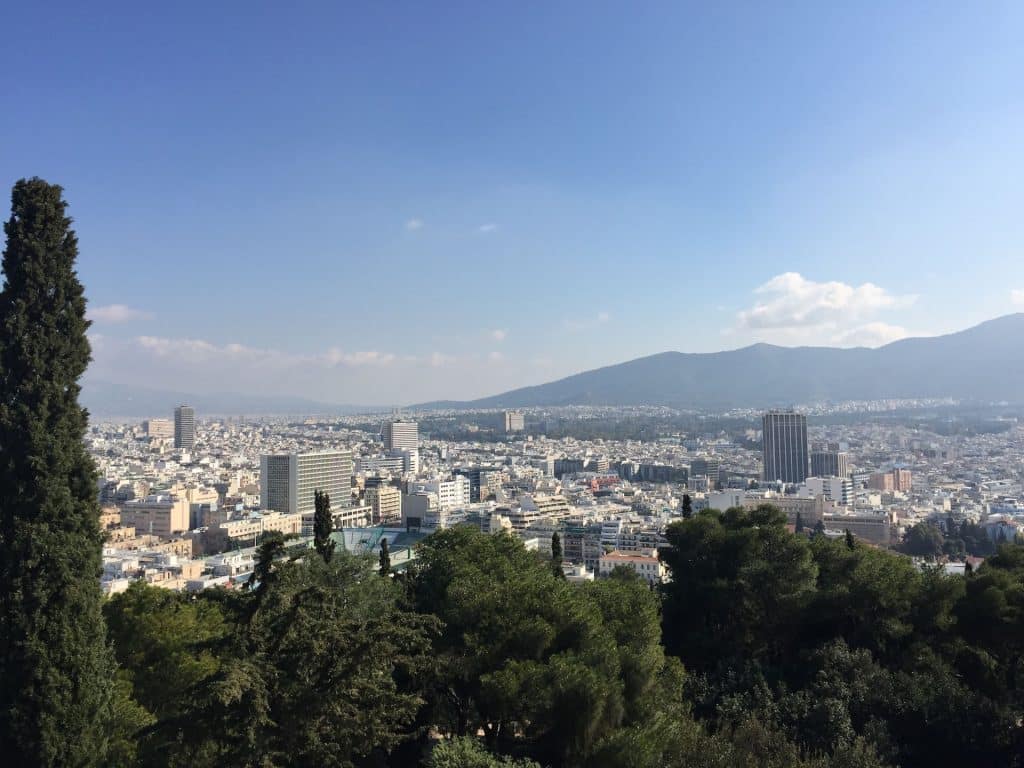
450,494
401,435
289,481
645,564
835,489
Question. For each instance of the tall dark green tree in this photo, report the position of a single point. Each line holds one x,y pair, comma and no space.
556,554
56,671
385,557
687,506
323,524
799,527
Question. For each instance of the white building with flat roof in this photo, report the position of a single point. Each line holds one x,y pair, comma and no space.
644,564
289,481
401,435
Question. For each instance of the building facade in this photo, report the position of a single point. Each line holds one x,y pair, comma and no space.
159,429
784,448
513,421
288,482
386,503
184,427
647,565
830,464
400,435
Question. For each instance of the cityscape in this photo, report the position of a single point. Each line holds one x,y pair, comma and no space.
512,385
186,500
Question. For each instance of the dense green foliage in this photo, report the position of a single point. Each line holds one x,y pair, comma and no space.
57,687
315,665
840,647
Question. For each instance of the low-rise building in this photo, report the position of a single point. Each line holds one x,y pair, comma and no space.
646,565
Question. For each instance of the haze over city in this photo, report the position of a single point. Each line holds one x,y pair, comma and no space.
374,205
512,385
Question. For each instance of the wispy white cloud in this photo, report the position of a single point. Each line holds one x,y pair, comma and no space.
439,359
335,357
414,224
1017,297
116,313
196,350
495,357
871,335
485,228
499,334
790,309
790,300
586,322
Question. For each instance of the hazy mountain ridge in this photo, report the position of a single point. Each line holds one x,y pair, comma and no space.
106,399
985,362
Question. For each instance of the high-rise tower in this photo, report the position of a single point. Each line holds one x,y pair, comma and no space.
401,435
784,440
185,427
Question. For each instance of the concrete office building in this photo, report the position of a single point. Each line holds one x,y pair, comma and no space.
160,515
386,503
400,435
835,489
159,429
513,421
784,449
830,464
289,481
896,480
185,427
450,494
710,467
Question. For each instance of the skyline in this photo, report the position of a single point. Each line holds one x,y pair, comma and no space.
368,207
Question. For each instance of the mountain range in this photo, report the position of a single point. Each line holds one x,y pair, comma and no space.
983,363
106,399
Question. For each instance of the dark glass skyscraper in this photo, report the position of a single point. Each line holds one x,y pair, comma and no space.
829,464
784,436
184,427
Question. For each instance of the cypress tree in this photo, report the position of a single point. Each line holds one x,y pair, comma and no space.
556,554
687,506
799,527
385,557
850,542
56,670
323,524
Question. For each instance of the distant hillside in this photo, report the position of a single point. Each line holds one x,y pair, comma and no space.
106,399
982,363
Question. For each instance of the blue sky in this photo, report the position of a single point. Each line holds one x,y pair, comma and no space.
394,202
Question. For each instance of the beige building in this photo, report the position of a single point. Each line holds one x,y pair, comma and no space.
896,480
385,502
877,528
811,510
245,531
159,429
644,564
168,514
161,515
